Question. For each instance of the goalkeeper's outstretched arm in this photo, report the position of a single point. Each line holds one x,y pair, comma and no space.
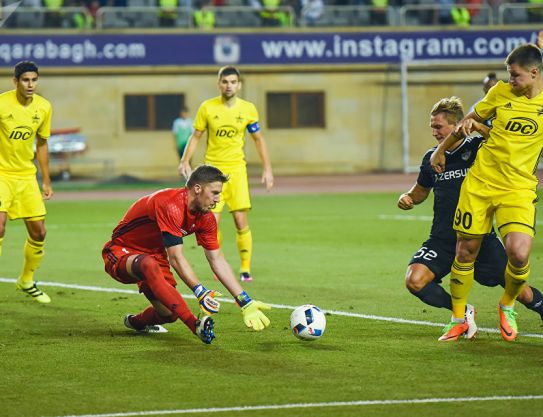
250,309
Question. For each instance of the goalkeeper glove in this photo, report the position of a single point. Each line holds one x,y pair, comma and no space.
206,298
252,312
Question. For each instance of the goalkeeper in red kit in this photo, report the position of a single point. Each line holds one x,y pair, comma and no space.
149,240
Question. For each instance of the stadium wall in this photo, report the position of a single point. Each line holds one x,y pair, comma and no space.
363,110
362,113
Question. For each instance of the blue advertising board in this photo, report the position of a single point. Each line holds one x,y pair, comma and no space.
318,48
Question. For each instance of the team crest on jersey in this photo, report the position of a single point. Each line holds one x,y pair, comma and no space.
239,119
465,156
36,118
540,111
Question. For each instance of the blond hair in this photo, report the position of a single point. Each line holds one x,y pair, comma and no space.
452,107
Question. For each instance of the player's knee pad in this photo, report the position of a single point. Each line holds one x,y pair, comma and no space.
145,267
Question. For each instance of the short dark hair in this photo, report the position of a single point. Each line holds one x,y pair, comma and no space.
490,76
229,70
526,55
206,174
24,66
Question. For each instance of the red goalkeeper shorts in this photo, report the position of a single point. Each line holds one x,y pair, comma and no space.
115,258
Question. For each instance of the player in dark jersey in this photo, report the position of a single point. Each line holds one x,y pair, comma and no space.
434,259
149,240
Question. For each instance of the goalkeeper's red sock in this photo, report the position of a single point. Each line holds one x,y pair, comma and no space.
149,317
147,268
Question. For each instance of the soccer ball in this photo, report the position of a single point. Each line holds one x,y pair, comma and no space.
307,322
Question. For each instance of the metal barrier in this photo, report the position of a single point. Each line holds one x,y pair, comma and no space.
247,16
143,17
514,14
347,16
41,17
429,14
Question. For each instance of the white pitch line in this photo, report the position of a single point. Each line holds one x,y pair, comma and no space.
280,306
314,405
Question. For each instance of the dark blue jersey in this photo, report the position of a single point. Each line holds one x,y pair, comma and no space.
446,185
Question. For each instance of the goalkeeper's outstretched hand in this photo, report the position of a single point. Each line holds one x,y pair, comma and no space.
206,299
253,315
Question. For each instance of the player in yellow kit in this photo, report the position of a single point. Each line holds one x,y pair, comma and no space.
501,185
25,117
225,118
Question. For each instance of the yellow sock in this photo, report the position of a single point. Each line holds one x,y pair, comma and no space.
244,239
515,278
33,254
462,277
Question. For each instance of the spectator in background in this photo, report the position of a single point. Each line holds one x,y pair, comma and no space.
451,12
535,14
182,129
312,10
379,13
272,15
204,16
53,16
168,12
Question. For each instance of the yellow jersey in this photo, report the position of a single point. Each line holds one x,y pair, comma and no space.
226,129
509,158
18,128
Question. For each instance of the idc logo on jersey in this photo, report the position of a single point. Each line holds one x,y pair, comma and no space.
522,126
21,132
226,131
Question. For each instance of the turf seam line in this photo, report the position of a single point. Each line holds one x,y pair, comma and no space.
279,306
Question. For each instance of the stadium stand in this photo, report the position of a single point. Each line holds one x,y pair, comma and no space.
249,13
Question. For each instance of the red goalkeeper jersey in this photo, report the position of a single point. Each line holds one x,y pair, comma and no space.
165,211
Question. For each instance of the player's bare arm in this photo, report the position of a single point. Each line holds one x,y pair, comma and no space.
416,195
184,165
437,160
483,129
181,266
468,125
223,271
262,149
42,155
206,298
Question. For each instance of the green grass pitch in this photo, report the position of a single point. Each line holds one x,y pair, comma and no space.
340,252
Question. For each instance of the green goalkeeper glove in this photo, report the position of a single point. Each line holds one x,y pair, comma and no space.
252,312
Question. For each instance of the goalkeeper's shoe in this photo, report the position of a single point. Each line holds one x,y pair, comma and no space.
34,292
453,331
471,312
152,328
204,329
508,323
245,276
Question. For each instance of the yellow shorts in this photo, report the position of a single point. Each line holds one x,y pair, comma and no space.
235,192
21,198
479,203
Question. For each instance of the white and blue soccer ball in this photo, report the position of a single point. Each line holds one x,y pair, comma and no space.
307,322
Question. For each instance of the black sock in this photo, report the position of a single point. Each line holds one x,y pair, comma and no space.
537,302
436,296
